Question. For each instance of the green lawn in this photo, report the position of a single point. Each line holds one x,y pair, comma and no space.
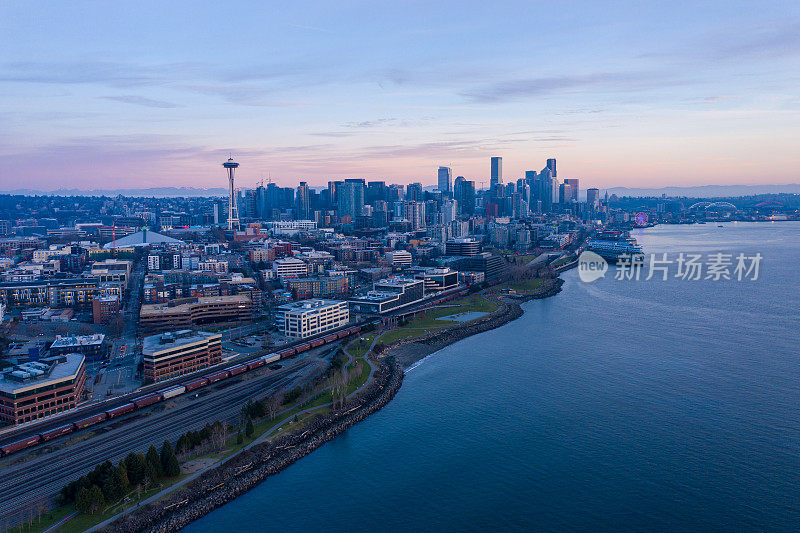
358,348
360,379
563,261
528,285
431,320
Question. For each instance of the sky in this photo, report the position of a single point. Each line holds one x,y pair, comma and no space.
98,95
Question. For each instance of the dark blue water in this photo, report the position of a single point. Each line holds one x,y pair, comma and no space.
671,406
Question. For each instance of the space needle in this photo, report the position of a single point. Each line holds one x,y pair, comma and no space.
233,211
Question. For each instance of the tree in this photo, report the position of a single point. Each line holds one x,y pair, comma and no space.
239,437
249,429
136,467
96,500
114,487
83,500
173,468
166,453
152,473
273,405
154,461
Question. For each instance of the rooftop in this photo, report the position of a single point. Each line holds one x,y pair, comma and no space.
174,339
141,238
34,374
80,340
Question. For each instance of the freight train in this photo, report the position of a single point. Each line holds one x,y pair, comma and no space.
173,391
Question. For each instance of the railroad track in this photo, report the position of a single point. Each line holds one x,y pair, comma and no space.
41,478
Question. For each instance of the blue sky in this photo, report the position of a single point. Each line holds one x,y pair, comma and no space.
140,94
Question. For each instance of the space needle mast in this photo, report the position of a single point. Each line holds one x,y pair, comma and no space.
233,211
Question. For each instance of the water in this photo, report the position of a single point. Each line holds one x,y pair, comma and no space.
671,406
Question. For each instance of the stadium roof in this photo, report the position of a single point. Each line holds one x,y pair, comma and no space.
141,238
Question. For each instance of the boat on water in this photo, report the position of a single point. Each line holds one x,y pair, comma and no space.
611,245
720,226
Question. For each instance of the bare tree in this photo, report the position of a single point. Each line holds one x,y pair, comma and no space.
273,405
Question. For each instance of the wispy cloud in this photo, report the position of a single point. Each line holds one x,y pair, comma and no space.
142,101
533,87
369,123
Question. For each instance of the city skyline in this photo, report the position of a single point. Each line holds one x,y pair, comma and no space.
698,95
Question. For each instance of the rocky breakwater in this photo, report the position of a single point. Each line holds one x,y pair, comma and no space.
243,472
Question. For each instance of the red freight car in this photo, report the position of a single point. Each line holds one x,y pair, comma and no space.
238,369
92,420
121,410
57,432
286,353
213,378
196,384
144,401
317,342
256,364
20,445
329,338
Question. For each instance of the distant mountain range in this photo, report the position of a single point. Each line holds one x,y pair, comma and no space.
703,191
158,192
706,191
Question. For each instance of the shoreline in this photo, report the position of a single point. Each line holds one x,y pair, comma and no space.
408,352
221,485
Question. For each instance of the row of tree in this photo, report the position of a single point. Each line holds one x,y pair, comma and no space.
108,484
211,435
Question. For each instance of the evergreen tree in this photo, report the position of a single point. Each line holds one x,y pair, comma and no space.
96,499
114,487
123,472
136,467
239,438
154,461
83,500
249,429
166,453
173,468
153,474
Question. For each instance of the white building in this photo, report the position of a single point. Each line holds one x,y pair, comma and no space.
289,268
306,318
399,257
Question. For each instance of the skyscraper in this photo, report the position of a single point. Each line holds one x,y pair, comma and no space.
351,198
593,198
445,180
497,172
414,192
573,188
233,210
303,202
551,164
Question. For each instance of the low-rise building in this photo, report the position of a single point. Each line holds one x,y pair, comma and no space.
187,313
37,389
299,320
462,246
399,258
104,308
168,355
318,286
93,347
390,294
436,279
289,268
